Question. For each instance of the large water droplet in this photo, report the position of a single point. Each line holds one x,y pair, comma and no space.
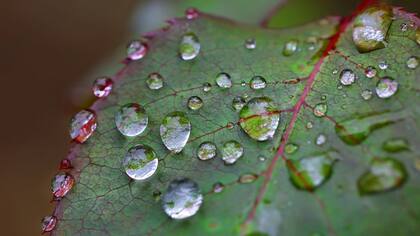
154,81
131,119
238,102
82,125
259,118
370,28
189,46
250,43
140,162
386,87
247,178
223,80
290,47
191,13
136,50
291,148
194,103
311,172
396,145
258,82
48,223
207,87
347,77
206,151
412,62
366,94
383,174
320,109
182,199
61,185
175,131
232,151
370,72
102,87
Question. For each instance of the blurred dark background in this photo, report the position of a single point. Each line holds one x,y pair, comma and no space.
51,51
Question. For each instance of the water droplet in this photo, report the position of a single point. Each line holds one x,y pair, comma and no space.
102,87
238,102
250,43
61,185
189,46
334,72
131,119
247,178
320,109
154,81
290,47
347,77
403,27
396,145
259,118
232,151
386,87
206,151
48,223
383,65
182,199
65,164
157,194
370,72
230,125
262,158
223,80
309,125
323,97
82,125
412,62
257,82
218,187
191,13
136,50
311,172
194,103
370,28
175,131
383,174
140,162
291,148
366,94
321,139
243,83
207,87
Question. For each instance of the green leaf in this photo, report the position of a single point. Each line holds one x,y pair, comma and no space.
337,133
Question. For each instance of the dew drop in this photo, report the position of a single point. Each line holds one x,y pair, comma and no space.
48,223
247,178
320,109
207,87
230,125
262,158
223,80
383,65
102,87
370,72
136,50
291,148
65,164
206,151
383,174
157,195
154,81
258,82
194,103
250,43
238,102
232,151
403,27
334,72
175,131
243,83
321,139
290,47
189,46
386,87
366,94
182,199
259,118
309,125
396,145
191,13
347,77
412,62
82,125
131,119
62,184
140,162
218,187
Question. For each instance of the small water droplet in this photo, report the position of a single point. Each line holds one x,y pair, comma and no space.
320,109
366,94
102,87
291,148
403,27
370,72
230,125
334,72
347,77
157,195
218,187
383,65
262,158
321,139
206,151
290,47
223,80
383,175
412,62
243,83
140,162
175,131
82,125
61,185
232,151
48,223
136,50
194,103
131,119
247,178
154,81
257,82
191,13
250,43
182,199
189,46
396,145
323,97
65,164
386,87
207,87
238,102
259,118
309,125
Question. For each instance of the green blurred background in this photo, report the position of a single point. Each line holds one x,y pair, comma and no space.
52,50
